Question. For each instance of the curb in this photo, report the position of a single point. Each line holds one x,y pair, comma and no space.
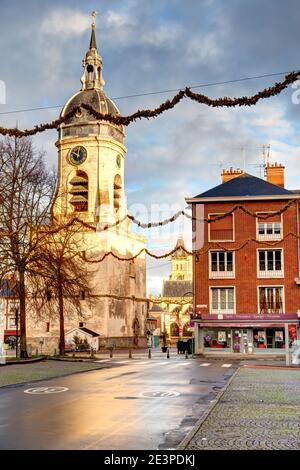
183,444
26,361
29,382
261,366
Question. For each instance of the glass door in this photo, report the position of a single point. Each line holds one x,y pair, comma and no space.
237,341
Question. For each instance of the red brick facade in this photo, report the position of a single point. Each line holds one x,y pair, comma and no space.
246,280
246,269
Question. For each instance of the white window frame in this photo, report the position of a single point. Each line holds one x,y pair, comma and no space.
267,287
270,274
11,319
222,312
266,236
233,230
221,274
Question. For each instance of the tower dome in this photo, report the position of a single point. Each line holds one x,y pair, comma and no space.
91,93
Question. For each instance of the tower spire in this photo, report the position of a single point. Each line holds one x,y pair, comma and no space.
92,63
93,43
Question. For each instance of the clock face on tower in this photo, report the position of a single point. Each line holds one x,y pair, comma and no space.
77,155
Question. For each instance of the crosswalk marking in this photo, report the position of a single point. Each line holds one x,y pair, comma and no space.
205,364
161,363
103,360
226,365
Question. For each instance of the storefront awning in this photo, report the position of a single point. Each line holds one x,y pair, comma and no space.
11,333
241,325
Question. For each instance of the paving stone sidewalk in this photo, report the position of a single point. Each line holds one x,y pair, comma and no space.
260,409
23,373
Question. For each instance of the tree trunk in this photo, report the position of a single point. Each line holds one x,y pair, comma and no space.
61,321
22,298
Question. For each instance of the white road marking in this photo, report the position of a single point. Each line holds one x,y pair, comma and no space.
159,394
45,390
205,364
120,362
103,360
161,363
226,365
182,364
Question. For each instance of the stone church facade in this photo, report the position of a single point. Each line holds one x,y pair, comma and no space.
91,165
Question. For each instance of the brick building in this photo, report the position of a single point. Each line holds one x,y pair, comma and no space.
247,273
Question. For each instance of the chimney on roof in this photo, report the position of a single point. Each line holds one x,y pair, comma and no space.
228,175
275,174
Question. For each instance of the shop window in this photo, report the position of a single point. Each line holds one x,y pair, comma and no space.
217,339
270,263
269,338
271,300
221,264
221,229
222,300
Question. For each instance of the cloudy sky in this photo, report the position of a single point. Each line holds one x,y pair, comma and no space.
156,45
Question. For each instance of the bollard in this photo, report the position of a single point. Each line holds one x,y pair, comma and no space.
111,354
168,353
186,354
130,354
149,353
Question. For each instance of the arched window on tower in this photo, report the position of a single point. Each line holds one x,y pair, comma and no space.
117,192
79,191
90,71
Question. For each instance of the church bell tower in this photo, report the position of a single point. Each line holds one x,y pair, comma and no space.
91,152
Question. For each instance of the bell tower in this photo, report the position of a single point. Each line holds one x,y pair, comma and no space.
91,152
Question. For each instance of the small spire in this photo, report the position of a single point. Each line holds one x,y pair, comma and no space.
93,43
92,63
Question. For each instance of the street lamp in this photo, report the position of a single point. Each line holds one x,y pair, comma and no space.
15,304
191,316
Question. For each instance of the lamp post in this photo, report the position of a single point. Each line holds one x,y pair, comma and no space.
16,311
193,338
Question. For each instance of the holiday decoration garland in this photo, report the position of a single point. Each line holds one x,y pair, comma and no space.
153,113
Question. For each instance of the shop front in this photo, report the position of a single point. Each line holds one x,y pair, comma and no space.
254,335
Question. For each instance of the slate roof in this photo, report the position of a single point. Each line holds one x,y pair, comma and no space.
177,289
245,185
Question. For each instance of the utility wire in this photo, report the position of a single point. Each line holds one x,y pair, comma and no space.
204,85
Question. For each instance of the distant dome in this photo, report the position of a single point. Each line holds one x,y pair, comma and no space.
96,98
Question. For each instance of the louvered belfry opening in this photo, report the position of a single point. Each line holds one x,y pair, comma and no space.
79,191
117,192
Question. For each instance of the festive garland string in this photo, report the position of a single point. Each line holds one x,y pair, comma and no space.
153,113
202,251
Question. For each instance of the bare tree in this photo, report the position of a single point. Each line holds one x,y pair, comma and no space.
61,279
26,191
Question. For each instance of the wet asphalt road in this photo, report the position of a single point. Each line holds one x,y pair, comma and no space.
108,409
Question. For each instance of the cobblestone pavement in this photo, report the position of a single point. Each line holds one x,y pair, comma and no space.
260,409
15,374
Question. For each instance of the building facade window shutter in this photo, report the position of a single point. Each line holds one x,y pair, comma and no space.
222,229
